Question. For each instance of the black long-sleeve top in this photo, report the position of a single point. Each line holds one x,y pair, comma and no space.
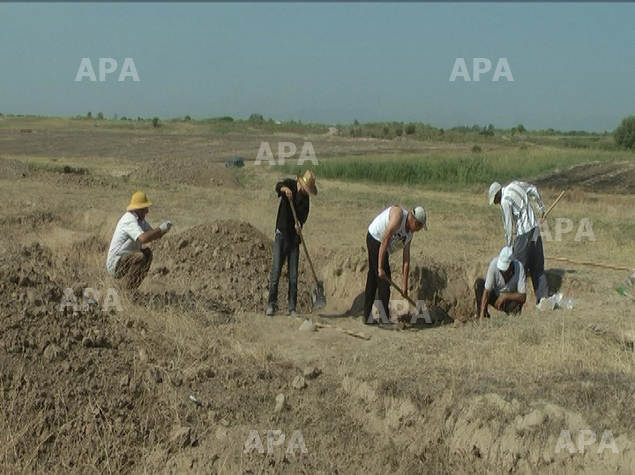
285,222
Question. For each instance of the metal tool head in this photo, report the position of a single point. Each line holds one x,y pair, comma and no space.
318,296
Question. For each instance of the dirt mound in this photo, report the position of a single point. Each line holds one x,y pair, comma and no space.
607,177
84,388
189,172
228,262
53,386
13,169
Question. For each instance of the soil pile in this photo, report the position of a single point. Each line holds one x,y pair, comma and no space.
59,372
609,177
197,172
228,262
83,387
13,169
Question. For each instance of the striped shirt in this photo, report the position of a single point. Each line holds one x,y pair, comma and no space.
517,208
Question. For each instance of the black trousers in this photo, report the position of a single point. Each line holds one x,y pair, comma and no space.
513,308
373,282
528,251
284,248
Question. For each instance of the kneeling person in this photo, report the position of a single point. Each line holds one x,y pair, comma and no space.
128,260
505,285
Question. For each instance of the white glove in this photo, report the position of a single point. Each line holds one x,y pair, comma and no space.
165,226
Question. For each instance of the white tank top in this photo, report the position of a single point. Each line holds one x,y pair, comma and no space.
400,239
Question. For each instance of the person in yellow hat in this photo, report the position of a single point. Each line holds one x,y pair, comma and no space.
286,245
127,258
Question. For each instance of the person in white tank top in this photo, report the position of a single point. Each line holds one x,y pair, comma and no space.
391,230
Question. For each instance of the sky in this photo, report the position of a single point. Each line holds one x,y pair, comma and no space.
572,64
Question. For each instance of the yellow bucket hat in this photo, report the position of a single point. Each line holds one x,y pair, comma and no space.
138,201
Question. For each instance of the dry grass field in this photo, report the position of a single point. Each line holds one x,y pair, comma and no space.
176,380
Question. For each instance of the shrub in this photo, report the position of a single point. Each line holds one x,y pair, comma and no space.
398,131
476,149
227,119
100,116
524,147
256,118
624,135
187,117
155,122
410,129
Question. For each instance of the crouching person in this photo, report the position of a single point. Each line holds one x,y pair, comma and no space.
504,288
128,260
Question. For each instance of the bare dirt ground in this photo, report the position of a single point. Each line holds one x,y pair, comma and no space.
611,177
176,380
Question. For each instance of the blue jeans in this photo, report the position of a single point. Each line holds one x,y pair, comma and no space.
284,249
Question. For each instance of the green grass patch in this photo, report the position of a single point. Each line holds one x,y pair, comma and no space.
464,169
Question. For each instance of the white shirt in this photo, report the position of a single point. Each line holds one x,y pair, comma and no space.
515,206
378,227
495,280
124,240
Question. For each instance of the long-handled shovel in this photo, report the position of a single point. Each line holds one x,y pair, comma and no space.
621,288
392,283
553,205
318,295
424,310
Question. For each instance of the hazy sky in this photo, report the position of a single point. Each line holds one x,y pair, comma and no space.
573,64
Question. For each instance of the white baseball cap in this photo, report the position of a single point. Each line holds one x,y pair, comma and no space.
420,215
493,189
504,258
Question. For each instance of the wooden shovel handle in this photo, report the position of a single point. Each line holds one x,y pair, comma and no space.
391,282
553,205
306,251
589,263
361,335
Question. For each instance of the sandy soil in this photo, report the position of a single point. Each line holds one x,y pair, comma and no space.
176,381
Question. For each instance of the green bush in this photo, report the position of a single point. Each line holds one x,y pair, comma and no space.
624,135
410,129
155,122
476,149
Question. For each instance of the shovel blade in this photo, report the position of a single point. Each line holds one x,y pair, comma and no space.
318,296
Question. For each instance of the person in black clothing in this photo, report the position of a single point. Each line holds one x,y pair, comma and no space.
287,242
